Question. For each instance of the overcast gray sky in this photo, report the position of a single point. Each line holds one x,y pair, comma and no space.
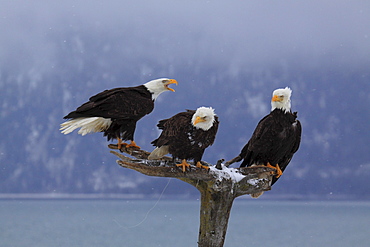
231,32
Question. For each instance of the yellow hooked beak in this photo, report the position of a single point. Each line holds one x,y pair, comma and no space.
168,82
277,98
198,120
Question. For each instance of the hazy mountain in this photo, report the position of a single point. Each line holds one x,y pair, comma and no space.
230,56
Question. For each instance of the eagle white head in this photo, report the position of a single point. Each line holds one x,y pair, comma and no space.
158,86
203,118
281,99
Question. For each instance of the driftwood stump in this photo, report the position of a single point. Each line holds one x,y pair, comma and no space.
218,187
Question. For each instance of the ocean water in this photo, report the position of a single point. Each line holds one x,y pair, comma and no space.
45,223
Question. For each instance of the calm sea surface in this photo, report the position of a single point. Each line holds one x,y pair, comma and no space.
175,223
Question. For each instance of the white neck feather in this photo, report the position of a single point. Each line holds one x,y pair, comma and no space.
284,106
155,87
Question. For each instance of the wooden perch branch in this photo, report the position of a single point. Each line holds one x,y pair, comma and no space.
218,186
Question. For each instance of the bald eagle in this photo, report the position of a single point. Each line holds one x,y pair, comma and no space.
186,135
116,111
276,138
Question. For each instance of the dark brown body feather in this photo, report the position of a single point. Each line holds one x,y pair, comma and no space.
183,139
276,138
124,106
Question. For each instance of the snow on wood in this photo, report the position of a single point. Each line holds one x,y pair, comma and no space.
218,187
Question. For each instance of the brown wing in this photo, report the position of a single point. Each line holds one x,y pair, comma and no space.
172,127
118,103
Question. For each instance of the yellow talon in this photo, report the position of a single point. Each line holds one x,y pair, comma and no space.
183,164
279,172
199,165
132,145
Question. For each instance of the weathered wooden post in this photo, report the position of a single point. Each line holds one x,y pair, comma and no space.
218,187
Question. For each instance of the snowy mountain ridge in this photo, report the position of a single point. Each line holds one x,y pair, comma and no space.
53,59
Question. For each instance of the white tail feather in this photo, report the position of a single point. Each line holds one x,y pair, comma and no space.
87,125
158,153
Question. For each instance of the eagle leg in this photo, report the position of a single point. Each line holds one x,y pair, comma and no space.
183,164
279,172
119,144
199,165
